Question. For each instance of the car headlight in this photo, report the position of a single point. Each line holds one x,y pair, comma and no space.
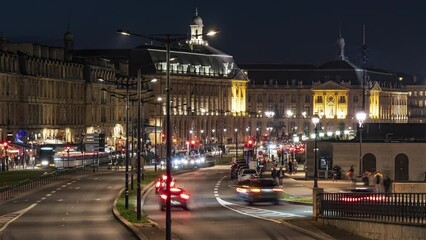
44,163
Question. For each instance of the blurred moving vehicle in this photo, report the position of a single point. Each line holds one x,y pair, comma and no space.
259,190
247,173
160,183
178,198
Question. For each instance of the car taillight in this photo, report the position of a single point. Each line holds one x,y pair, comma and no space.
184,196
175,190
278,190
157,185
163,196
172,184
241,190
255,189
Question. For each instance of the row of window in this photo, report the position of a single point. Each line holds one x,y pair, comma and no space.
418,93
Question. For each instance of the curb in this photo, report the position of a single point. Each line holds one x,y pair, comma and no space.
124,221
132,227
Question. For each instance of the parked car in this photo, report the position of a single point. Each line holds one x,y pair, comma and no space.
247,173
259,190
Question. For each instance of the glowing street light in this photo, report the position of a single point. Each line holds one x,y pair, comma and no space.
360,116
167,39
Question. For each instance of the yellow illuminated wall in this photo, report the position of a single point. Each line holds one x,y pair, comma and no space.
374,104
331,103
239,93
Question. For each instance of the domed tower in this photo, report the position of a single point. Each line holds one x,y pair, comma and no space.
68,44
197,30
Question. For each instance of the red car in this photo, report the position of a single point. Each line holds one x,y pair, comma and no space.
179,198
160,183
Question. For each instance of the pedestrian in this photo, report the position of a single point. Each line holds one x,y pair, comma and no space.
295,166
365,178
351,174
274,174
280,176
387,183
378,182
290,167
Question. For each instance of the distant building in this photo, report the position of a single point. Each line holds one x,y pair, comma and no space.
60,92
333,90
416,87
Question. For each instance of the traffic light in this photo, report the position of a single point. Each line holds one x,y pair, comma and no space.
250,143
5,145
68,149
163,137
192,143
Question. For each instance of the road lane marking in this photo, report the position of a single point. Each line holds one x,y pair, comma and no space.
8,218
268,215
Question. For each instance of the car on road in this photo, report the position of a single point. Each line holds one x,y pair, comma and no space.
259,190
160,183
247,173
178,198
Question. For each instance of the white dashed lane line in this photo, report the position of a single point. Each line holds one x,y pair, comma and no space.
265,214
5,220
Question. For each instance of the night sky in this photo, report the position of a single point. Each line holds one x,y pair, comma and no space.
268,31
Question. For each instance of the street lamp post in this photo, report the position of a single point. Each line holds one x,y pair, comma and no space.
360,116
236,144
315,121
289,114
126,188
166,39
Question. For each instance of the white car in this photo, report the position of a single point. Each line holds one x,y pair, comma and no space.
247,173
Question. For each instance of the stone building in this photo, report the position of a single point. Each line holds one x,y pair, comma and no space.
416,87
208,90
61,91
333,90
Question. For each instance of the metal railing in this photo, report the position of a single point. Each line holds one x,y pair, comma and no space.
383,207
8,192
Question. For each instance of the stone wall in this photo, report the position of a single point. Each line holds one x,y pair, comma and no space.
377,230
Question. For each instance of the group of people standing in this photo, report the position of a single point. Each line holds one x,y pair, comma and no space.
381,183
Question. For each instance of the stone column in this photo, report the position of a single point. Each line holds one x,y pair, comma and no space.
316,201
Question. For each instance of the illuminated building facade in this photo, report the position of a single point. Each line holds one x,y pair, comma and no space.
58,90
333,90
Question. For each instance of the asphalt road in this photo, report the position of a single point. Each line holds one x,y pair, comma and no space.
216,213
79,208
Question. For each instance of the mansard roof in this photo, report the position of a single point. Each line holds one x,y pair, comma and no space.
149,59
338,71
